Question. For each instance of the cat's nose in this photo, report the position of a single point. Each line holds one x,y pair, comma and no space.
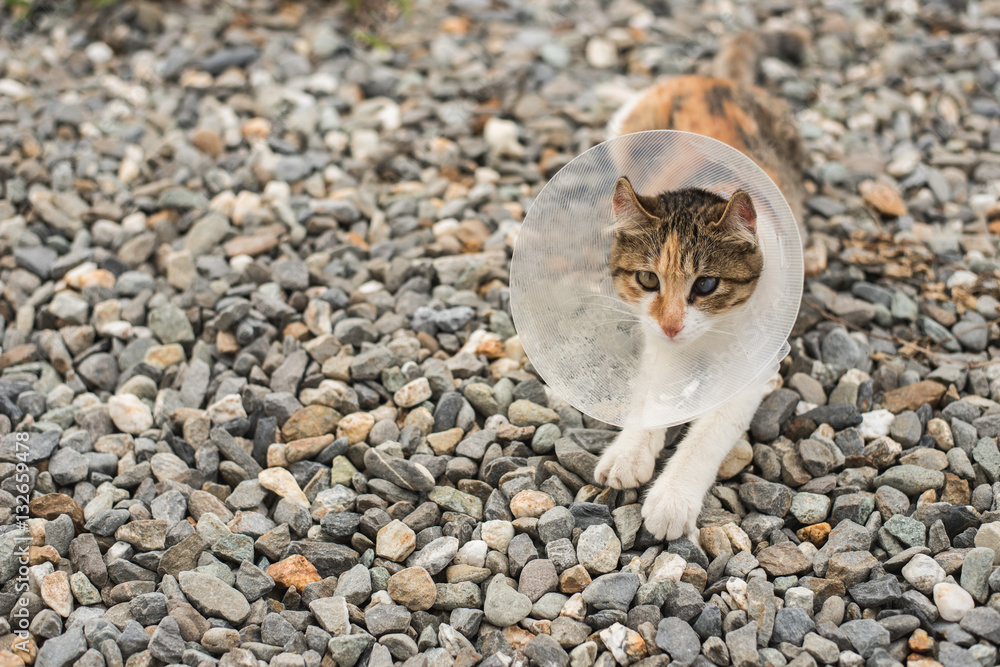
671,329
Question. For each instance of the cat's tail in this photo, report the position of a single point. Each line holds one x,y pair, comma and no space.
741,54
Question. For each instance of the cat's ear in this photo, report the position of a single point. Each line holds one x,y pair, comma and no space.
629,213
740,217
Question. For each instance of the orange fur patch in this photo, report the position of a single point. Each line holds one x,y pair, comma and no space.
697,104
669,305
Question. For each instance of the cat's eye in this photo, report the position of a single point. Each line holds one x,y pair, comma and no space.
704,286
647,280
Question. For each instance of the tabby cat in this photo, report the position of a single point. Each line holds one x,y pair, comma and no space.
685,258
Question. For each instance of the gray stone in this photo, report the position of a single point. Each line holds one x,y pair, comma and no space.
613,591
148,608
839,349
866,635
976,570
791,625
907,530
555,524
383,619
683,601
253,582
983,622
436,556
773,412
742,645
677,639
166,644
906,428
767,497
99,371
972,332
880,592
63,650
276,630
538,577
544,650
213,597
67,467
910,479
170,325
332,614
346,649
503,605
355,585
401,472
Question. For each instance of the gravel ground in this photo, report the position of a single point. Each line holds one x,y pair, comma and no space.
262,400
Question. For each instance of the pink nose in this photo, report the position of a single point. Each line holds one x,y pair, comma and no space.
671,329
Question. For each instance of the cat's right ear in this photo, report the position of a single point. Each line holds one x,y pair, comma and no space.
630,216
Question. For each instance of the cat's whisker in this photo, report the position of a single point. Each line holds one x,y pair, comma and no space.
724,333
612,321
598,298
616,327
602,307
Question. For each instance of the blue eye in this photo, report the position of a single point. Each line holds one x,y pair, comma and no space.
704,286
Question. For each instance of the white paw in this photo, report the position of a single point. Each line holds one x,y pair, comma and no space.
626,464
625,470
671,511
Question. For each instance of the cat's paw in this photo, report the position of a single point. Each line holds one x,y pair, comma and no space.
624,466
670,511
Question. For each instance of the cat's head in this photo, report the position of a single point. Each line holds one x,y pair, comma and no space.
684,259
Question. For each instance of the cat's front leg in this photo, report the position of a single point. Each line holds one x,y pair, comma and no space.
630,460
671,509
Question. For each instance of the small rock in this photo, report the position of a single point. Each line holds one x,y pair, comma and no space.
952,601
503,605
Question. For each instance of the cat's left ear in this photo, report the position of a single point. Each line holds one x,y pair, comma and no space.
629,212
740,216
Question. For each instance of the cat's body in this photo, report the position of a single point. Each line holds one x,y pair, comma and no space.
682,259
748,119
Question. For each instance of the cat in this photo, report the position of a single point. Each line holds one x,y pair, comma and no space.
683,259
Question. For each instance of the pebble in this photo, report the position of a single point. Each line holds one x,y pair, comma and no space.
212,597
296,570
530,503
598,549
952,601
413,588
678,640
503,606
395,541
281,482
55,592
259,340
497,534
130,414
923,573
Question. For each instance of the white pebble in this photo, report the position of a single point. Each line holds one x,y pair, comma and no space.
923,573
14,89
953,601
130,414
472,553
501,136
667,567
498,534
99,53
602,53
875,424
962,278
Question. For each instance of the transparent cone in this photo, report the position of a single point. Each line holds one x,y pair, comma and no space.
587,344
